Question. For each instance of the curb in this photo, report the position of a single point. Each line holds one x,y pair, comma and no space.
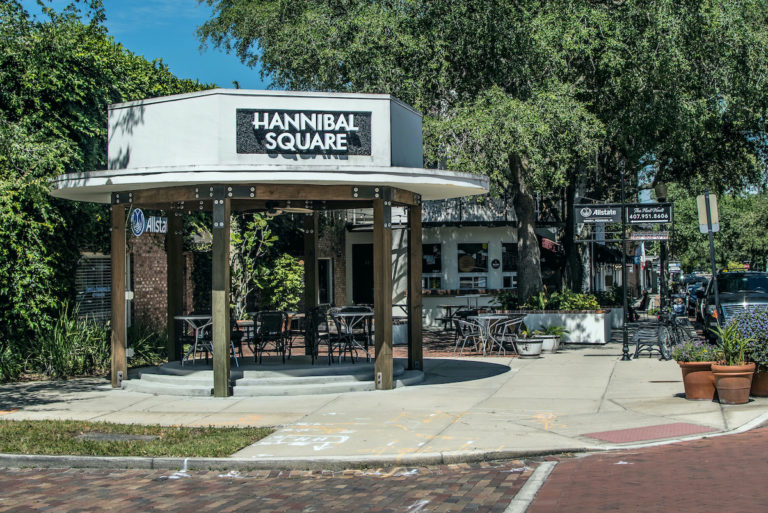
314,463
331,462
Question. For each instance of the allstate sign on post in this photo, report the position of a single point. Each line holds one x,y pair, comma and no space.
597,213
153,224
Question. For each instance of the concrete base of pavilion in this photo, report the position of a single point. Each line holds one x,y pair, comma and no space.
272,377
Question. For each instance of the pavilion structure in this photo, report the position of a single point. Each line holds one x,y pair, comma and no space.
222,151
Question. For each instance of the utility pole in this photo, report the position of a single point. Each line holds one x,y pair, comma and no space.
624,335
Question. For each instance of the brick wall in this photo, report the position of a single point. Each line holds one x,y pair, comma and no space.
149,276
328,247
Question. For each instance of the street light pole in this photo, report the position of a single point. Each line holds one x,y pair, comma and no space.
624,335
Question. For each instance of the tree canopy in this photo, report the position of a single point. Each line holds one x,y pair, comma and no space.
567,91
59,74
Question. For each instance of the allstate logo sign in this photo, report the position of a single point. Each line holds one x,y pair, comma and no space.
586,212
138,222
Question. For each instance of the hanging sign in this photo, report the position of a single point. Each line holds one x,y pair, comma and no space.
303,132
141,224
597,213
649,236
649,213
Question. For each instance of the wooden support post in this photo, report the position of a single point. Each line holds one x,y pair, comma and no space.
220,294
310,267
118,326
415,349
382,291
175,278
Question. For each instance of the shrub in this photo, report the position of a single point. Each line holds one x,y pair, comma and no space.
565,300
72,346
754,326
694,351
148,344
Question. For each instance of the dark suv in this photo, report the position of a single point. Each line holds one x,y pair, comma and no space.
740,291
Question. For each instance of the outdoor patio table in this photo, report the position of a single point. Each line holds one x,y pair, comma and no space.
198,323
450,313
351,321
486,323
475,297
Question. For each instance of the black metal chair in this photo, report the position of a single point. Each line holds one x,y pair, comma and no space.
271,330
354,331
317,332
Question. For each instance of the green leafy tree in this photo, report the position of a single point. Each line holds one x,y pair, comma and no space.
58,76
674,91
282,284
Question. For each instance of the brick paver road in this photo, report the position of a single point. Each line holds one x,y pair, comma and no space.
724,474
473,488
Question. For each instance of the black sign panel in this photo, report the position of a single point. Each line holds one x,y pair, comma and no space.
597,213
303,132
649,213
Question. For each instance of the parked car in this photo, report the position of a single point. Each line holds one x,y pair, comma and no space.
692,284
739,292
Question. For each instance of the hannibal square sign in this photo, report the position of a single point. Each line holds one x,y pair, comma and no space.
303,132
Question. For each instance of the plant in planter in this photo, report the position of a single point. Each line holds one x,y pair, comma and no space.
754,326
551,337
733,375
528,345
695,360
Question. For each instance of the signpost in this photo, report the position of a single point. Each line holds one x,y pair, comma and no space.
647,213
710,218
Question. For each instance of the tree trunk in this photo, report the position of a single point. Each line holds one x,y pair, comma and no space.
572,277
529,260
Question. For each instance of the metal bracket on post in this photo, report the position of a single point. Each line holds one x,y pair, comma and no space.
218,193
118,198
386,194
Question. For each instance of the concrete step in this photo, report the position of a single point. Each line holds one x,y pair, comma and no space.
170,379
146,387
330,387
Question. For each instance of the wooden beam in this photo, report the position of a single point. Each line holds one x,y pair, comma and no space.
191,195
403,197
118,326
174,259
220,297
382,293
415,347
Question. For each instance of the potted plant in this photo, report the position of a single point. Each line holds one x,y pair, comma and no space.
528,346
733,375
754,326
695,360
551,337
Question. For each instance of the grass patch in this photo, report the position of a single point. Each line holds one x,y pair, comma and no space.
61,437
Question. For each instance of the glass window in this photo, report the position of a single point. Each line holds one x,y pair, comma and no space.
509,281
508,257
431,282
473,258
431,261
473,282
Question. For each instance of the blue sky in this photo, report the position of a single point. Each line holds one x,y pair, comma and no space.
165,29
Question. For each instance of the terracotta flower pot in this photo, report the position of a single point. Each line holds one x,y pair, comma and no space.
733,382
760,384
698,380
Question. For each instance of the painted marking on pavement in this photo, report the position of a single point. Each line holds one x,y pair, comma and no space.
317,442
8,412
528,492
548,419
417,506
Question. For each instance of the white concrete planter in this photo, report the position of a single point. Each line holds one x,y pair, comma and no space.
529,347
584,327
616,318
550,343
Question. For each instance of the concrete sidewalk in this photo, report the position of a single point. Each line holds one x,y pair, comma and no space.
583,398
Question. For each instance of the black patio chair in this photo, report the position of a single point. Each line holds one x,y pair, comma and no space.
316,332
271,330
